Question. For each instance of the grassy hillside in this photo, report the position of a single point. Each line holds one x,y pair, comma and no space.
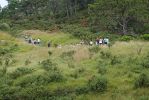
72,72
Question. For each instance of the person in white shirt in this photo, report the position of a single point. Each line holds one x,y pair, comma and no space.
38,41
106,40
91,43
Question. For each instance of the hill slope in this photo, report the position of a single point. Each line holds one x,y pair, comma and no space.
71,72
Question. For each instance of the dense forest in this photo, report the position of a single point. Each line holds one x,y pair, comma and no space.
115,16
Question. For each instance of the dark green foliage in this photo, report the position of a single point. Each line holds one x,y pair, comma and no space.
98,84
145,36
9,49
20,72
145,61
115,60
48,65
39,80
80,32
4,51
77,73
118,16
126,38
4,27
56,76
82,90
50,53
142,81
102,70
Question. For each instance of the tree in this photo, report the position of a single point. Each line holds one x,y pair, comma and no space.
118,14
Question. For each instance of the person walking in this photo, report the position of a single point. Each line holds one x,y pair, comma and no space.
38,41
100,41
97,41
106,40
49,44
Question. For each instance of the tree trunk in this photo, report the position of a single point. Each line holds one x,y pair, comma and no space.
124,26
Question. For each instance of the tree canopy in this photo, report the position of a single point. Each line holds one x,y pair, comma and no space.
119,16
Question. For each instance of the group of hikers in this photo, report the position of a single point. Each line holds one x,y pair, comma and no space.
99,41
30,40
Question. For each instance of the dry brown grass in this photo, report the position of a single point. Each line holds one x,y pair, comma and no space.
81,54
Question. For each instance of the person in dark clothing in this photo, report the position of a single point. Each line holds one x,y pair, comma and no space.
49,45
97,41
30,40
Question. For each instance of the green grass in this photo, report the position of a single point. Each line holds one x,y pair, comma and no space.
56,38
120,76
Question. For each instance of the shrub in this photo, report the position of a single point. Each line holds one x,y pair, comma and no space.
105,54
102,70
114,60
97,84
145,36
4,27
78,31
144,97
50,53
82,90
94,49
77,73
145,62
142,81
126,38
20,72
48,65
56,76
39,80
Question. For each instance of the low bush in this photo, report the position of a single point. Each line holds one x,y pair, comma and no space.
126,38
56,76
78,31
115,60
145,61
105,55
94,49
142,81
82,90
50,53
42,79
97,84
20,72
102,70
48,65
4,27
77,73
145,36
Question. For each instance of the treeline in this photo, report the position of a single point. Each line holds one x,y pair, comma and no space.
18,9
116,16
